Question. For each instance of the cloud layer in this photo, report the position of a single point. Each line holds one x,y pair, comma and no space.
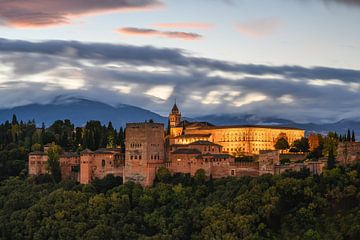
259,27
41,13
153,32
184,25
152,77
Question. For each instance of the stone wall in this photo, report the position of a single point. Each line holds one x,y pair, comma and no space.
348,152
37,163
144,146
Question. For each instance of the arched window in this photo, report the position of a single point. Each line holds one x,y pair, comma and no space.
103,163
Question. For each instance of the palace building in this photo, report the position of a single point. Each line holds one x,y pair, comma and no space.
235,140
187,148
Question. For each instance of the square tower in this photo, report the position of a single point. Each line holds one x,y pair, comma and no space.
144,152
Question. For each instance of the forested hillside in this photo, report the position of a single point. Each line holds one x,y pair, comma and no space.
291,206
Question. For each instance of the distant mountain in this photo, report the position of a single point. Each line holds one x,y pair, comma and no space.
79,111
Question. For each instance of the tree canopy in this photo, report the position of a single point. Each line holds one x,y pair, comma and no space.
293,205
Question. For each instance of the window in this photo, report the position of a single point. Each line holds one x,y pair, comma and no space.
232,173
103,163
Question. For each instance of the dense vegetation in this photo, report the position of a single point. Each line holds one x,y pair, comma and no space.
290,206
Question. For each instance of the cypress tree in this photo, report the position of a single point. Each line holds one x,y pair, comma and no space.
331,158
14,120
348,136
353,138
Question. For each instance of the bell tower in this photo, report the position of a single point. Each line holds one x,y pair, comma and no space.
175,116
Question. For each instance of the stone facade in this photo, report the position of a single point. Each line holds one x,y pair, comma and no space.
82,168
247,140
144,152
69,164
100,163
348,152
267,160
315,167
37,163
208,156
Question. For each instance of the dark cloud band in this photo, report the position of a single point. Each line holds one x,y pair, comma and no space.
131,74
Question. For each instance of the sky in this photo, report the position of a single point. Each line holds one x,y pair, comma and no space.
293,59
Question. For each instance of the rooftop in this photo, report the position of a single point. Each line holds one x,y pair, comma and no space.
186,151
251,126
204,143
193,135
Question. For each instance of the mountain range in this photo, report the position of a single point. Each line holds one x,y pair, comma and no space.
80,110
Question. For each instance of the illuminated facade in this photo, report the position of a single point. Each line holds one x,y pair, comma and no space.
236,140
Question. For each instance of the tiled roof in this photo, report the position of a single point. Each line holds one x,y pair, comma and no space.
251,126
186,151
37,153
87,151
216,156
193,135
204,143
69,154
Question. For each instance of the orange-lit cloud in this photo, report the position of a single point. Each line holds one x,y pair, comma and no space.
44,13
259,28
185,25
153,32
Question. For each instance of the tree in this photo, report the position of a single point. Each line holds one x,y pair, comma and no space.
14,120
353,138
282,144
36,147
301,145
163,175
331,158
200,176
53,163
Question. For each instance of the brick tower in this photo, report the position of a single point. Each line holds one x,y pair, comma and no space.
144,152
175,116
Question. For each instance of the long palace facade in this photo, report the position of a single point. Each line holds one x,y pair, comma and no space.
187,148
248,140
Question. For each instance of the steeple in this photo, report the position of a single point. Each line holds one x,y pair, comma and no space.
175,116
175,109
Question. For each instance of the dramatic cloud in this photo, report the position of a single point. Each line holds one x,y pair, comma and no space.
259,27
40,13
153,32
184,25
151,78
347,2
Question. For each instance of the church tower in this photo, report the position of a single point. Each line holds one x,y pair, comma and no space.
175,116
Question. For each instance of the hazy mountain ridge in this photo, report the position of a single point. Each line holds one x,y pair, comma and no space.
80,110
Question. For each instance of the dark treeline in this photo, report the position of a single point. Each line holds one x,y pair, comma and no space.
17,139
294,205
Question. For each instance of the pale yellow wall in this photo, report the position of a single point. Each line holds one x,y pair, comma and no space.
246,139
